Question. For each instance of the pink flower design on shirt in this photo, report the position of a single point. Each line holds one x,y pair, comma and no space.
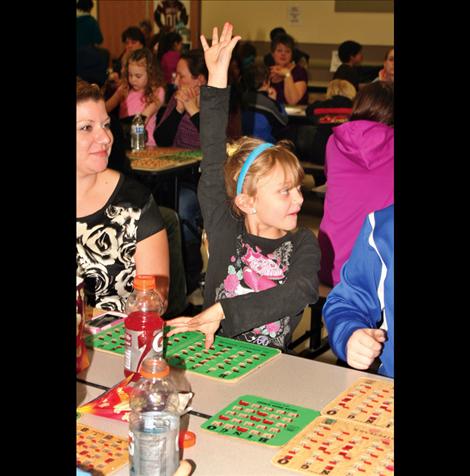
273,328
263,266
231,283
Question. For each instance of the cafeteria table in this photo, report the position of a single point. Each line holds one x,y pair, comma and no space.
156,164
286,378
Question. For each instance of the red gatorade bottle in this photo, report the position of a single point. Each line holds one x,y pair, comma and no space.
143,324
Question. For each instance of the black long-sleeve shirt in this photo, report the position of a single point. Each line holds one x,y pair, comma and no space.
262,284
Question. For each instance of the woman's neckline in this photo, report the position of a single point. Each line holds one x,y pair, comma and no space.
110,199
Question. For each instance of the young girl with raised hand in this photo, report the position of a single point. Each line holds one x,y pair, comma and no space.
262,272
141,91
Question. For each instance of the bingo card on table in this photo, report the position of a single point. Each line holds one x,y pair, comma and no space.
260,420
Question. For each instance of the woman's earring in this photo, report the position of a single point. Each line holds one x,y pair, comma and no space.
253,211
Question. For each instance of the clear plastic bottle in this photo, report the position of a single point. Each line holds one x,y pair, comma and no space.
154,422
143,324
138,133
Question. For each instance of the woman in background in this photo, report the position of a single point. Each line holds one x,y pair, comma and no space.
287,78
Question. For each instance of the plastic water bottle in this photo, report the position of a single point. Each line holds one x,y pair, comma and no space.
143,325
138,133
154,422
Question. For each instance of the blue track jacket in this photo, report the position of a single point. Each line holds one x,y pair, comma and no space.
365,291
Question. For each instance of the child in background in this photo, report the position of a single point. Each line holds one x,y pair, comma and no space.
169,53
262,272
141,91
262,116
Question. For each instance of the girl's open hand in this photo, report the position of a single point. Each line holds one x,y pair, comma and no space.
208,321
218,55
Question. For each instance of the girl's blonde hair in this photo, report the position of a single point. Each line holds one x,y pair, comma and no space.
238,152
340,87
144,57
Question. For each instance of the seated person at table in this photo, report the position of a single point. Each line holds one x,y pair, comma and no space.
140,92
262,116
299,57
262,268
350,55
359,169
179,127
120,230
287,78
326,114
387,73
359,311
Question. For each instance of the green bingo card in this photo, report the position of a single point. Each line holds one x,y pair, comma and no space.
260,420
110,340
226,359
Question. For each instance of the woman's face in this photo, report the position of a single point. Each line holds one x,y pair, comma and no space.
282,55
94,137
184,78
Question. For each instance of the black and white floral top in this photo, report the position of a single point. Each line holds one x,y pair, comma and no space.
107,239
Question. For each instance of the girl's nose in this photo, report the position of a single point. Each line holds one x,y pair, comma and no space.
298,197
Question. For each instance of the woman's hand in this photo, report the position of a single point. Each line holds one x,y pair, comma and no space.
179,97
218,55
191,100
207,321
279,73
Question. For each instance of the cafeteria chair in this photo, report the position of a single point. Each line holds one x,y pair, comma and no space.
317,344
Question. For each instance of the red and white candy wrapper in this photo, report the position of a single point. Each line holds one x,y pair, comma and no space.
82,354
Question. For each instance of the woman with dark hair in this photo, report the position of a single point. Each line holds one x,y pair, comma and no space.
179,125
359,172
287,78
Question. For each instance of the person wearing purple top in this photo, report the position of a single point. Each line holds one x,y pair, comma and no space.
288,79
359,168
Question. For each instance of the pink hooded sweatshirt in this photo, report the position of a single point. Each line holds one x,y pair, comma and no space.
359,171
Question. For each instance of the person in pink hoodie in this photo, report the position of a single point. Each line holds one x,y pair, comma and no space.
359,175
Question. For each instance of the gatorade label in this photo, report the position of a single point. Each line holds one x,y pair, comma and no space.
157,344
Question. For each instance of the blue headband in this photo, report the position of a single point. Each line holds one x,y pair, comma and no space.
250,159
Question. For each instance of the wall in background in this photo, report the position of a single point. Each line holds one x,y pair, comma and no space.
308,21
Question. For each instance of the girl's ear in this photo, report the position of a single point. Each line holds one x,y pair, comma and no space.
245,203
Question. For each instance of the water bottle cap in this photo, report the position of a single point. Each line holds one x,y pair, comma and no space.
143,282
154,368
